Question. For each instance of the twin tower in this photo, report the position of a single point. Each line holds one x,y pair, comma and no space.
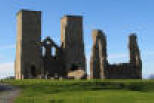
35,57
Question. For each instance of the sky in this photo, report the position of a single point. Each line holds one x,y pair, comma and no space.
117,18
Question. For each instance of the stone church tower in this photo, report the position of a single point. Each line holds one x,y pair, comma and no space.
72,42
28,62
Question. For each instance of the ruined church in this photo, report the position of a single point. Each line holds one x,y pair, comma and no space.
35,57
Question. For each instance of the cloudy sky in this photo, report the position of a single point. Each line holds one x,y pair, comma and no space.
117,18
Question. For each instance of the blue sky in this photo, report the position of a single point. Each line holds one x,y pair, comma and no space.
117,18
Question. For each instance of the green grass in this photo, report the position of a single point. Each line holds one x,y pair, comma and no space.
85,91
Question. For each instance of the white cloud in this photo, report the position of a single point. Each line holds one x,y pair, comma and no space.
6,69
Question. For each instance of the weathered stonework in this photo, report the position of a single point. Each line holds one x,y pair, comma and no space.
135,57
54,65
34,58
98,59
100,68
28,57
72,43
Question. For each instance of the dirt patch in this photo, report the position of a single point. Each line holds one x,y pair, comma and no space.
8,93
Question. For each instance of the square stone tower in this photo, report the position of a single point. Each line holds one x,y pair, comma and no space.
28,62
72,42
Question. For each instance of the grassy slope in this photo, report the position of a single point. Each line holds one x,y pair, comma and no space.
85,91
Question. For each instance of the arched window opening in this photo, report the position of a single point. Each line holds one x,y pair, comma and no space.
53,51
43,51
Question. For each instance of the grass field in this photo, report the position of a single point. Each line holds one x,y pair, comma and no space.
85,91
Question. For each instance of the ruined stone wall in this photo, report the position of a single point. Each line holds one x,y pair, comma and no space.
30,61
100,68
135,58
53,64
122,71
69,59
98,61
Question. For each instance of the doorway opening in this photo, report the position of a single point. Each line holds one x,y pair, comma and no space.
33,71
